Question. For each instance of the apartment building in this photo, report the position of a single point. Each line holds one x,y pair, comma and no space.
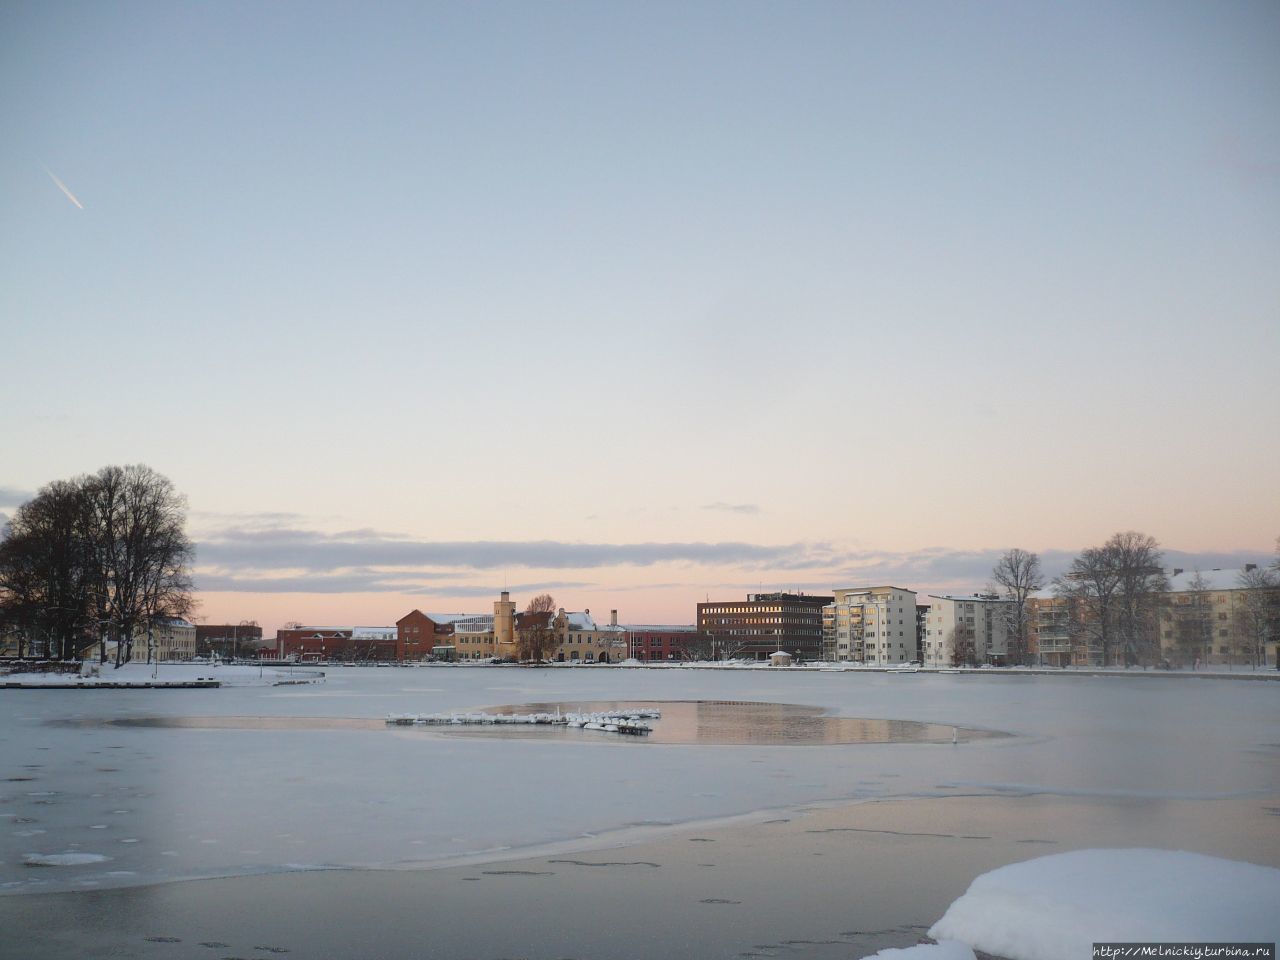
1052,639
870,625
765,623
173,638
966,630
1209,616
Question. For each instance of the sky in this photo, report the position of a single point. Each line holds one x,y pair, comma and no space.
643,303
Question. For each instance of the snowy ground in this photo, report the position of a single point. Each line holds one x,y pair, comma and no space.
159,674
160,804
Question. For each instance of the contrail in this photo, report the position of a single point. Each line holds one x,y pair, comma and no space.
63,187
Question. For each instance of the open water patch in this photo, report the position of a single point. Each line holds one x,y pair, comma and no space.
727,722
711,722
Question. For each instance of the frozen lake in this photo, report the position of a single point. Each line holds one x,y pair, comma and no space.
136,804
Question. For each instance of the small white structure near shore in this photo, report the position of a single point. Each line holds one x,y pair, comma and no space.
780,658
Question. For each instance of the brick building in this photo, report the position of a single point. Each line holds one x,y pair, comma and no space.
336,643
418,633
661,643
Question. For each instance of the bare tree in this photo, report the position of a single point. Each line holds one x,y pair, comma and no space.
1259,616
105,554
1017,575
1139,569
535,629
142,550
1115,591
706,646
1193,619
964,649
45,573
1090,585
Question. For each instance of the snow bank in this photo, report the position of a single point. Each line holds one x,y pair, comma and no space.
1056,907
149,674
943,950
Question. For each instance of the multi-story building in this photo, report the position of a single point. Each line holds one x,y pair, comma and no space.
473,637
968,630
662,643
418,634
172,638
765,623
578,637
1052,637
1209,616
871,625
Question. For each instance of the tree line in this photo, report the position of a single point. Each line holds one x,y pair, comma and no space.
1115,593
95,560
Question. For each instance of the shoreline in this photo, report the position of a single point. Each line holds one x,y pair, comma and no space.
44,681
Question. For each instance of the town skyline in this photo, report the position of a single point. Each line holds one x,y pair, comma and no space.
363,577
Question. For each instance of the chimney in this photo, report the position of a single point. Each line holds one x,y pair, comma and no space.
560,613
505,595
613,618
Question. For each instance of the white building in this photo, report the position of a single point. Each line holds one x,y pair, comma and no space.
966,630
870,625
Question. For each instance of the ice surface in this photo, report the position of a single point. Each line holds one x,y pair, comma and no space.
387,797
942,950
69,859
1057,907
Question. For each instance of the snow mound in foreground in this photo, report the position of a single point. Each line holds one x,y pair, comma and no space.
1057,907
943,950
62,859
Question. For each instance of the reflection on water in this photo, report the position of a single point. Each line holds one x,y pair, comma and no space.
683,721
733,722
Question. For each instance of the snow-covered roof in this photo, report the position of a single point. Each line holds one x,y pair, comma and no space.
372,633
446,618
1213,579
967,598
580,621
474,623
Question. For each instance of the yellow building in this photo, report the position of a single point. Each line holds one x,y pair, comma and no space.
1211,617
172,637
580,639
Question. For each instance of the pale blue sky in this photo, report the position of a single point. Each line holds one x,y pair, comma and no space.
558,271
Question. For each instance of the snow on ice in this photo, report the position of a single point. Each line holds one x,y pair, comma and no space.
1057,907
